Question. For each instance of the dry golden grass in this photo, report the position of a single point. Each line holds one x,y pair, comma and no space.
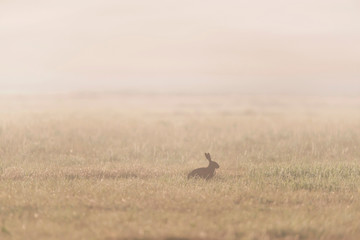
114,167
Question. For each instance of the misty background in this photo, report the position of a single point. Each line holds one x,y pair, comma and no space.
231,46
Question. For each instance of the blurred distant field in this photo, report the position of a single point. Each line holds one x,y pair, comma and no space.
114,166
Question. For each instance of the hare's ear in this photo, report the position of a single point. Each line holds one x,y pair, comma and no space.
207,155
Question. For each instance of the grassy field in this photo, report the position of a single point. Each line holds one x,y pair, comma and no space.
95,166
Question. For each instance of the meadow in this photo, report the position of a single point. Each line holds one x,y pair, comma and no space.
113,166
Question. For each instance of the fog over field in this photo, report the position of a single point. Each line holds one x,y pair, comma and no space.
106,106
294,47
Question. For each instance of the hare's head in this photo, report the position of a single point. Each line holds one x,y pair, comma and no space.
212,164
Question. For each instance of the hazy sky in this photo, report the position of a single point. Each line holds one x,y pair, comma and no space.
253,45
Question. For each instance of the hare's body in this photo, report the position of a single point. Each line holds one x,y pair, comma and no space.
202,173
207,172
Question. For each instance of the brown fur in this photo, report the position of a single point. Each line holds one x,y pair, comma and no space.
207,172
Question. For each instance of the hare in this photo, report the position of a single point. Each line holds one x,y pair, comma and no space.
207,172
